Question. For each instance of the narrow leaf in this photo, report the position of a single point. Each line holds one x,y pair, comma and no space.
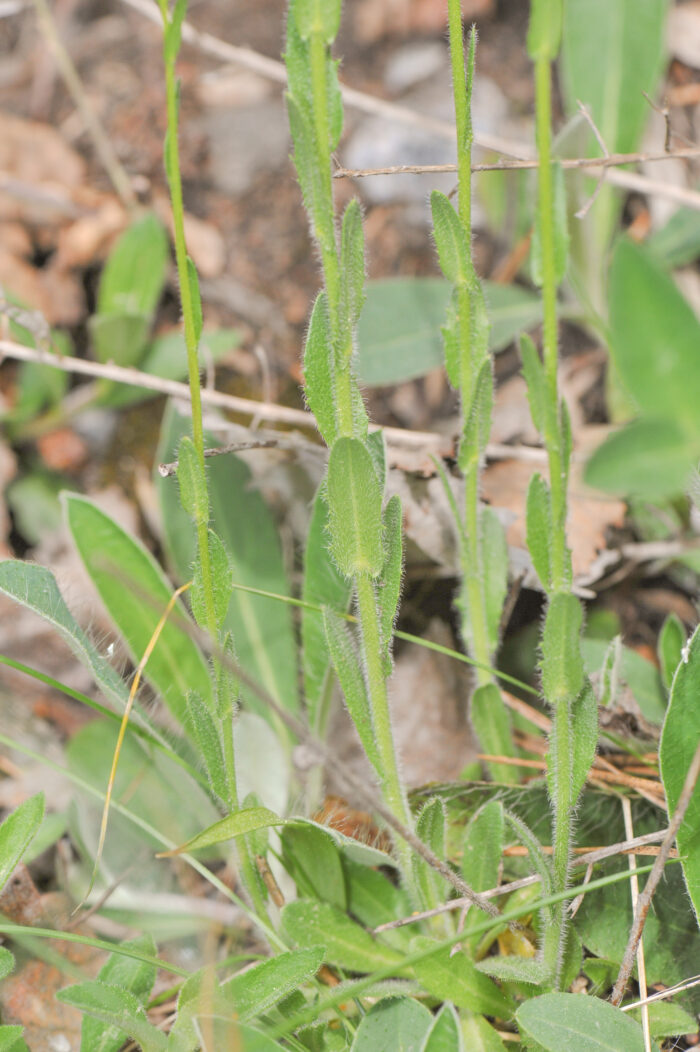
494,570
348,668
117,1007
584,722
544,30
491,721
355,507
205,731
221,583
455,978
192,481
538,517
238,824
17,831
533,371
561,230
254,991
671,642
313,861
431,827
134,275
196,299
126,973
318,380
444,1035
482,846
679,740
450,240
352,271
135,592
562,664
390,582
7,963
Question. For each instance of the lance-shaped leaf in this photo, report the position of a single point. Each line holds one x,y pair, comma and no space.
240,823
221,584
455,978
312,860
355,509
196,299
544,31
192,481
491,721
450,240
323,585
255,990
134,275
116,1007
16,833
129,974
306,163
352,275
346,662
317,16
538,518
670,647
679,741
136,593
561,231
494,570
318,376
205,731
483,846
431,827
477,426
584,723
533,371
390,582
35,587
562,664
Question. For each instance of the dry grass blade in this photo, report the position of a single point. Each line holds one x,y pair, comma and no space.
122,732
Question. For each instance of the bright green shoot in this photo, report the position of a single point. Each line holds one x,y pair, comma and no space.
482,545
364,534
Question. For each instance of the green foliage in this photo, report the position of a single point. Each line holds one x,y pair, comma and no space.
679,742
313,860
16,832
396,1024
559,1021
670,647
355,510
134,976
560,228
347,945
544,31
117,1008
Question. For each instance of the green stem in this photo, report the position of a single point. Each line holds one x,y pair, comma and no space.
393,790
561,749
550,349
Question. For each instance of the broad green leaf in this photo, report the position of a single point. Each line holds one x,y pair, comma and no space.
355,510
120,338
650,458
134,275
262,628
116,1007
390,581
562,664
11,1039
482,846
192,482
533,371
679,740
561,230
395,1024
444,1034
16,833
35,587
205,731
313,861
670,646
654,336
348,668
136,593
538,517
221,583
491,721
480,1036
7,963
456,978
129,974
352,274
318,377
373,899
399,329
237,824
325,586
450,240
255,990
166,357
667,1019
195,298
544,30
587,1024
431,828
347,945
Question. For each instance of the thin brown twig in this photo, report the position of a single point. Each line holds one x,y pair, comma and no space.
654,878
587,859
166,470
610,160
